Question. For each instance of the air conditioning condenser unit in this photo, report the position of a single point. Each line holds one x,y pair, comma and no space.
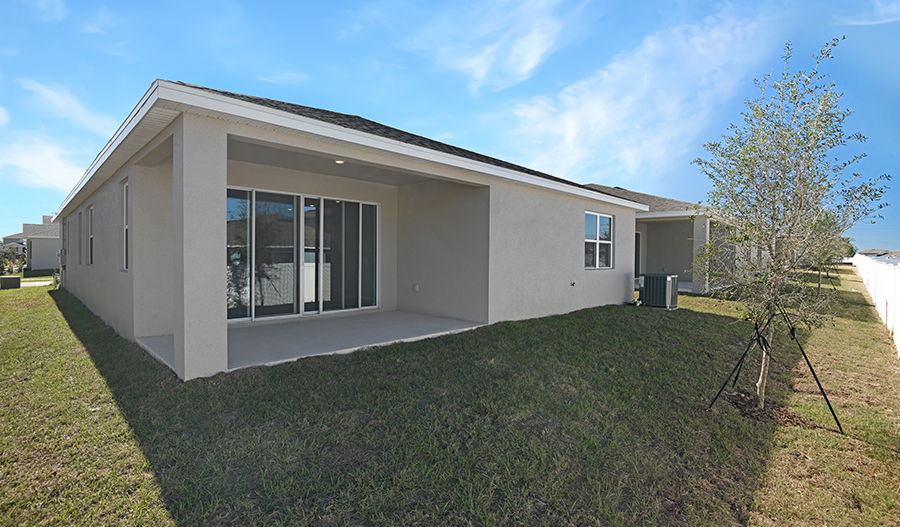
659,290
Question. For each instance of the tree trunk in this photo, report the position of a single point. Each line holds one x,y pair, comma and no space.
819,288
764,367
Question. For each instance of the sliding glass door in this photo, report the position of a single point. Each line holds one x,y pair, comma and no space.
311,255
281,262
238,252
368,262
274,254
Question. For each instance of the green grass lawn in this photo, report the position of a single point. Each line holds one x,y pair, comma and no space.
593,418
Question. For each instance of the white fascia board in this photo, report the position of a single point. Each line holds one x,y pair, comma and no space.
137,113
671,214
42,238
209,101
192,98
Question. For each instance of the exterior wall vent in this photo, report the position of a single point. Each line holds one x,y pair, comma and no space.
659,290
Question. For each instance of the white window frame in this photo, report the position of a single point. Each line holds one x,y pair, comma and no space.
80,239
125,227
299,201
597,241
90,257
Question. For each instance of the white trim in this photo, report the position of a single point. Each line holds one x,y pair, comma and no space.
80,236
125,226
137,113
252,248
671,214
90,237
176,97
610,242
220,104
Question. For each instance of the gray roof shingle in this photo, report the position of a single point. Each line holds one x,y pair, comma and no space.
656,203
40,229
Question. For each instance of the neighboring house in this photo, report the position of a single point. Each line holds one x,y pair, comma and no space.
209,211
39,241
667,236
14,242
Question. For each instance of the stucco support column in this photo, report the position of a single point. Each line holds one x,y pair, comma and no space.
701,236
199,167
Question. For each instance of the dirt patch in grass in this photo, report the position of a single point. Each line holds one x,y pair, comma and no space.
772,413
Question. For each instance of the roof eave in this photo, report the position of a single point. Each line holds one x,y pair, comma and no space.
133,119
181,98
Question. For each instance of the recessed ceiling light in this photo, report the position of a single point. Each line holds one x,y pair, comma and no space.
339,161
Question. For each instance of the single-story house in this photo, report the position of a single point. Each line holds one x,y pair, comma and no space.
14,242
210,216
667,236
40,242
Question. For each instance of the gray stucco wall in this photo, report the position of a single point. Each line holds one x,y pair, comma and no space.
478,247
151,261
670,248
443,246
41,253
104,287
642,228
537,253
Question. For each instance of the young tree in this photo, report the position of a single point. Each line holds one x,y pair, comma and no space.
780,195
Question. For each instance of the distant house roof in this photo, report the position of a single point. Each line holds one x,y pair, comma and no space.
875,252
360,124
12,238
656,203
40,229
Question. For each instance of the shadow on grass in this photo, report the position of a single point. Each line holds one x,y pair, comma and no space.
596,417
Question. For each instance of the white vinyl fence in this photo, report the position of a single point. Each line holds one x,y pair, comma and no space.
881,277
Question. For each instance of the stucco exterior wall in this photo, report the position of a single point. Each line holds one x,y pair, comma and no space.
453,241
670,248
275,179
151,250
642,228
104,287
41,253
537,253
443,248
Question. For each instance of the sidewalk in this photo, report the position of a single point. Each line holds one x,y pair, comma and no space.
37,284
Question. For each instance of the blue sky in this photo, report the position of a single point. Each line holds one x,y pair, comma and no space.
617,93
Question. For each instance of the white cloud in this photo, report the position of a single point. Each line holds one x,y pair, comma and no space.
52,10
648,106
500,43
879,13
64,104
4,117
36,162
290,77
102,20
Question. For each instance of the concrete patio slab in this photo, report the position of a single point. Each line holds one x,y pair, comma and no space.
266,342
161,347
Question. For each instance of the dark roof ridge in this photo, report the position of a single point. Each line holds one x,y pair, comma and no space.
361,124
656,203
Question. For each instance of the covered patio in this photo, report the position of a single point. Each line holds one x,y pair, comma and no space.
284,340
